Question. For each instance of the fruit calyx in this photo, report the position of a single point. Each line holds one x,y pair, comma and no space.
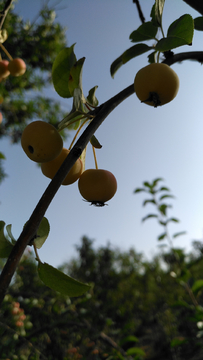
154,98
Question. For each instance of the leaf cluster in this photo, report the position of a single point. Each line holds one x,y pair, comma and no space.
179,33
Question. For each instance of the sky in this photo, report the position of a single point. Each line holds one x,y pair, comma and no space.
139,142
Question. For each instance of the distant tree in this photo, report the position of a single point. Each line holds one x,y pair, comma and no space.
24,97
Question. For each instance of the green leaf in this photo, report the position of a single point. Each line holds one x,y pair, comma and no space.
155,182
61,71
139,190
42,233
162,208
158,10
173,219
146,31
163,188
5,245
166,196
9,232
95,142
162,236
149,217
134,51
75,76
197,286
179,233
130,338
91,98
135,351
198,23
180,32
60,282
178,341
129,54
2,156
148,202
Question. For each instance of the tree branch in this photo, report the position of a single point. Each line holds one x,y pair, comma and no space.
4,12
140,13
195,4
29,231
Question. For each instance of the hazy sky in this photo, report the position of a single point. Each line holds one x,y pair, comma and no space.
139,142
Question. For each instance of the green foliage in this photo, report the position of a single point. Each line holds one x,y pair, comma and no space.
60,282
179,33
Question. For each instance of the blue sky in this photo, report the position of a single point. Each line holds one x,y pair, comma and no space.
139,142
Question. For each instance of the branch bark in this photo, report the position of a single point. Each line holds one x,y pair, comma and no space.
29,231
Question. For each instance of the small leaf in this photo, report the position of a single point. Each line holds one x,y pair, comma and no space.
198,23
95,142
147,184
159,6
134,51
61,71
9,232
197,286
148,202
163,188
173,219
129,54
166,196
162,208
60,282
149,217
162,236
5,245
178,341
179,234
127,339
2,156
91,98
135,351
139,190
3,35
75,76
155,182
42,233
146,31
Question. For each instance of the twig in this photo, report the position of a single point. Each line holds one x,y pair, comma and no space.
140,13
4,12
30,229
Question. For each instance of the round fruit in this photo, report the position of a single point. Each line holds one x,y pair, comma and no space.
17,67
4,72
1,117
41,141
97,186
50,168
156,84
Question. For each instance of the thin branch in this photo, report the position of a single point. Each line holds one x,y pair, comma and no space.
195,4
140,13
30,229
4,12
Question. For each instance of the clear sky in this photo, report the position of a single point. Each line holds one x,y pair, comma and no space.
139,142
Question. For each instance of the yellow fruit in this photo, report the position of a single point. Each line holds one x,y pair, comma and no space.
41,141
4,72
97,186
156,84
17,67
49,169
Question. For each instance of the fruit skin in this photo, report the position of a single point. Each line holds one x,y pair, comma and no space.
1,117
156,84
17,67
49,169
41,141
4,72
97,186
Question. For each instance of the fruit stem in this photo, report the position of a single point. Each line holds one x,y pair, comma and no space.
95,158
6,52
36,252
77,133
